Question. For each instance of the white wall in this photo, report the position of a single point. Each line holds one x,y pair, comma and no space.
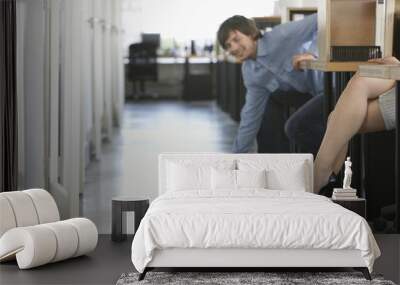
185,20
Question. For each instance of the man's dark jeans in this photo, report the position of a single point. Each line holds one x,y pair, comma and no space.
305,128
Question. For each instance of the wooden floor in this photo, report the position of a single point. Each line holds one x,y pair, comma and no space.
128,167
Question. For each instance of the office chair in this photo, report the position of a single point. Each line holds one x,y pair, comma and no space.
143,66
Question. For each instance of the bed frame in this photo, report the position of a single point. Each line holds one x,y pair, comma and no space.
246,258
242,259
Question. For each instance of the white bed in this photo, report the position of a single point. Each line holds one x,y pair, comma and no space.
201,220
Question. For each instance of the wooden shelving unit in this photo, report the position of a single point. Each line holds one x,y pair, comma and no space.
370,23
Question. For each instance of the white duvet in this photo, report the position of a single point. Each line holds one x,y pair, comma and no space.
250,219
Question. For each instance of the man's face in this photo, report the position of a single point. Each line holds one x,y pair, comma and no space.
241,46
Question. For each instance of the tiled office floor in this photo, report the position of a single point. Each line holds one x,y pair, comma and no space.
129,166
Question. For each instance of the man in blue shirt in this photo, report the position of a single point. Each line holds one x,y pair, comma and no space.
267,69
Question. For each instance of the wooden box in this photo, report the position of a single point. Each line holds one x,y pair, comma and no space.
354,23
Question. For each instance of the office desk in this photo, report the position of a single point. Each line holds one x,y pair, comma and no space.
198,83
336,77
230,87
347,66
386,71
390,72
172,75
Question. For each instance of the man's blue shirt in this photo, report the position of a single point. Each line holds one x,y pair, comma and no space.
272,70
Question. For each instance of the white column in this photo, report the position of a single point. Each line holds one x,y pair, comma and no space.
108,120
117,61
86,88
65,105
121,74
97,76
72,105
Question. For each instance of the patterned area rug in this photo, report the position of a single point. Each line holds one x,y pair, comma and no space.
243,278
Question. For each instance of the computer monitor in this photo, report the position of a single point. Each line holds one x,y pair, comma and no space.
151,39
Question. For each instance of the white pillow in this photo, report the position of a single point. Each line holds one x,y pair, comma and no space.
237,179
251,178
223,179
188,177
193,174
292,179
282,174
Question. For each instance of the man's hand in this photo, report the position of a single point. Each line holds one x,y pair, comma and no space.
385,60
298,58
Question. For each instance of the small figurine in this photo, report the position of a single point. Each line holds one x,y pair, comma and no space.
347,174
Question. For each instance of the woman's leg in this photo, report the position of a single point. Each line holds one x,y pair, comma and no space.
352,113
337,166
372,123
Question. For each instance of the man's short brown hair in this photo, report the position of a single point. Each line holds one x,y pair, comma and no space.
237,23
